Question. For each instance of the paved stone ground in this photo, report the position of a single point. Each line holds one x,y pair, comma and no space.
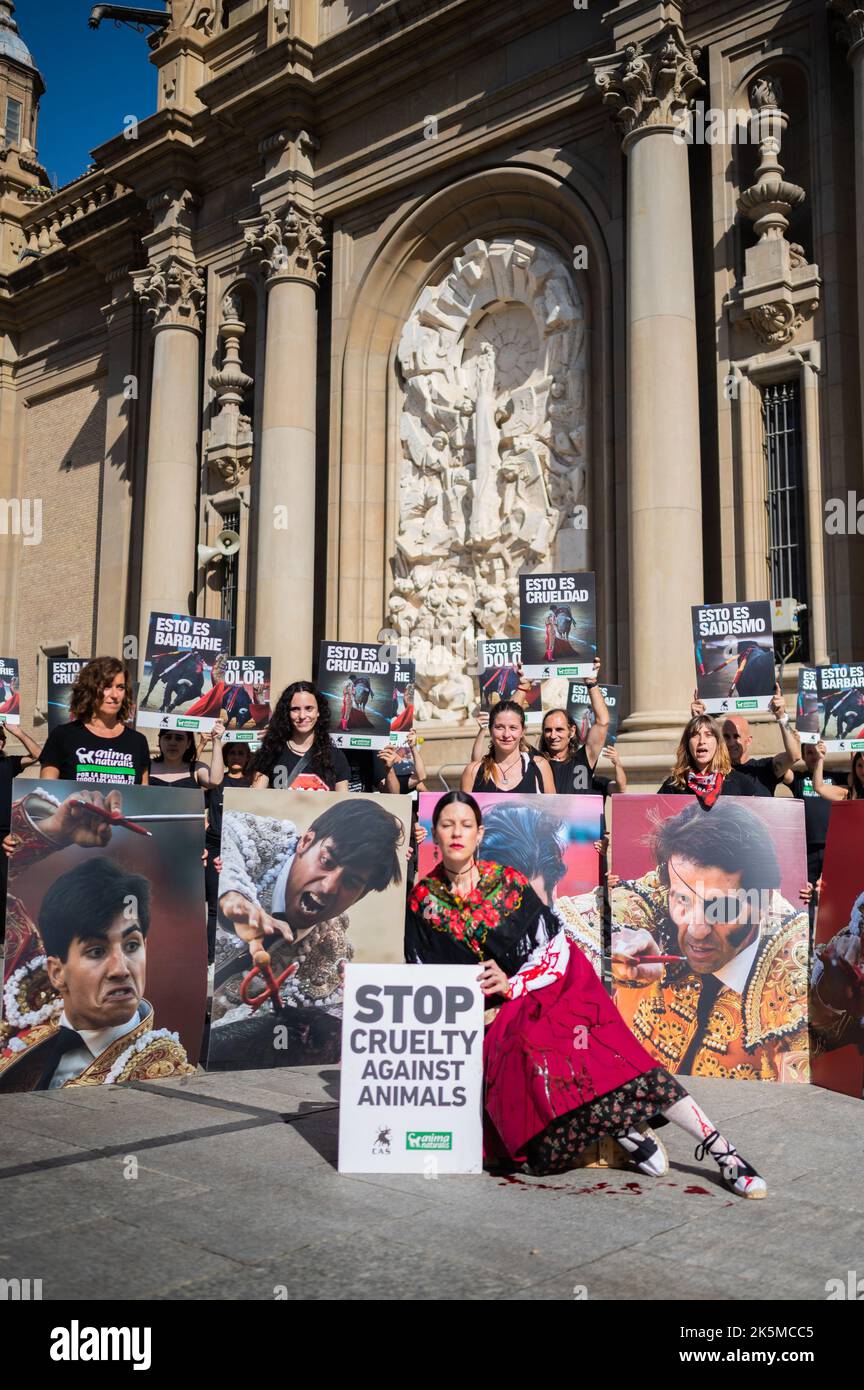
237,1193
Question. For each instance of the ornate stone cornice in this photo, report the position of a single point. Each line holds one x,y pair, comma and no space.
851,26
650,84
172,292
290,244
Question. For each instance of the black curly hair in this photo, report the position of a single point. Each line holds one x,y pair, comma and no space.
277,736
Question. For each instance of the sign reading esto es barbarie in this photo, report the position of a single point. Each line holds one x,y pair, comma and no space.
412,1070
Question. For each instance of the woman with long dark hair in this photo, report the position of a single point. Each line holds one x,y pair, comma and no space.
297,750
510,765
177,763
561,1068
97,746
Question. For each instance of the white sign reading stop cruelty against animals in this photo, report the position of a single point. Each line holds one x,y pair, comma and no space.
412,1070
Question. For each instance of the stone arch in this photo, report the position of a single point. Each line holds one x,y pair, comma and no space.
516,201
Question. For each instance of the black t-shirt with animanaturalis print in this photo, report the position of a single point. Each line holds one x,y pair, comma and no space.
80,756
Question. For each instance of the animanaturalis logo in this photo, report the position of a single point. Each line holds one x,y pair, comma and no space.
77,1343
428,1140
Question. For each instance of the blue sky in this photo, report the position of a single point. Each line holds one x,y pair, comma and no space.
93,78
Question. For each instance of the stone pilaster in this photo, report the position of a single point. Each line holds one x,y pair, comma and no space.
649,84
122,405
172,291
851,31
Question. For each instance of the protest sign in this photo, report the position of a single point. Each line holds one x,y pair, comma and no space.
579,708
558,625
63,671
411,1095
830,707
325,871
357,681
837,976
10,691
549,839
178,683
402,719
108,931
499,677
734,649
239,697
713,897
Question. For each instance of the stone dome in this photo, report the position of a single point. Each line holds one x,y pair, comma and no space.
11,43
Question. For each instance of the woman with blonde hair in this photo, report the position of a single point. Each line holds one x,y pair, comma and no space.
703,767
510,765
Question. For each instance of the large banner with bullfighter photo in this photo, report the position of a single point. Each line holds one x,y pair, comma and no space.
709,934
309,881
105,973
179,680
552,840
837,971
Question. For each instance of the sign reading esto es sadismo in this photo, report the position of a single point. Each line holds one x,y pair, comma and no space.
412,1070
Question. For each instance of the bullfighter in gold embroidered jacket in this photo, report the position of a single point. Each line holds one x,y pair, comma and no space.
74,1007
735,1004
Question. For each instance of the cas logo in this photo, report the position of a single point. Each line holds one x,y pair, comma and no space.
851,1287
77,1343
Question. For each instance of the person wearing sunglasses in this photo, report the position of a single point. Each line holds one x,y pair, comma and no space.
734,1002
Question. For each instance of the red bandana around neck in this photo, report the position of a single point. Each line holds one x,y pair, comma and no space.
706,785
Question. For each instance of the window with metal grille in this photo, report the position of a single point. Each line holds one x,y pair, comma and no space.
785,502
230,567
14,110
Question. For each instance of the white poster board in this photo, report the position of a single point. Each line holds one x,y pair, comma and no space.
412,1070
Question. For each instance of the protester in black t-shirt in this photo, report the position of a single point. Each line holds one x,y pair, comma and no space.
297,750
573,762
817,808
97,747
764,772
702,767
11,764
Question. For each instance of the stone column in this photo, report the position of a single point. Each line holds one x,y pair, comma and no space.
172,290
115,509
650,84
851,13
291,246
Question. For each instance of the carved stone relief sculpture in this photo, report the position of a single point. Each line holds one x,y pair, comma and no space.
492,363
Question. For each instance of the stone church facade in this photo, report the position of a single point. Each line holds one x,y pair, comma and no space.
417,295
